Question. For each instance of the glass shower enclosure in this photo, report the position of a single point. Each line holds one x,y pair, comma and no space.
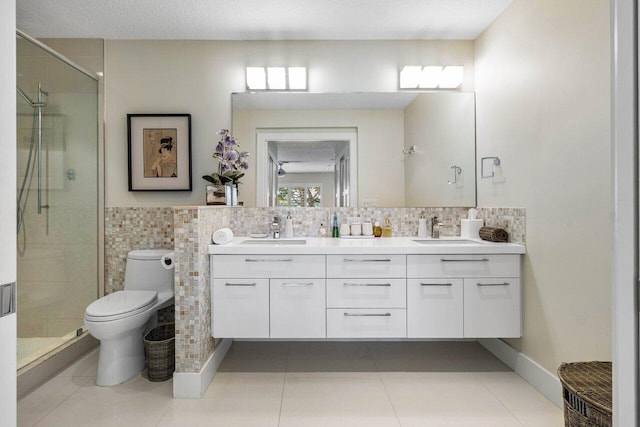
57,198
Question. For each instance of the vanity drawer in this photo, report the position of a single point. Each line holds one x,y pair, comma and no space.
366,266
492,308
435,308
269,266
366,323
240,308
434,266
366,293
298,308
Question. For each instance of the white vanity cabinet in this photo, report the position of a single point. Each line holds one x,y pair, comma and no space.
365,289
268,296
366,296
478,295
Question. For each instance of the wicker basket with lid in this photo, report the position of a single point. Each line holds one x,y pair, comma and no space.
586,391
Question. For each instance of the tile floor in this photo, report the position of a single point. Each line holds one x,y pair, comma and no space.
309,384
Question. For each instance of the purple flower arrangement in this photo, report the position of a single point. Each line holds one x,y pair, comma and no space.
231,161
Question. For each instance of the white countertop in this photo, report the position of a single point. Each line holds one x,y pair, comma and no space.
389,245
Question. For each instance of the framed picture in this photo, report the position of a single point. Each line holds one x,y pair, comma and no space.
159,152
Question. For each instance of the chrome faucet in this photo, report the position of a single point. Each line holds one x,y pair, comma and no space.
435,233
275,228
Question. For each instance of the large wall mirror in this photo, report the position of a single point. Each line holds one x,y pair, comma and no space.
358,149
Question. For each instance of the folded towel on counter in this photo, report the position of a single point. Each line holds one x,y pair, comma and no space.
222,236
493,234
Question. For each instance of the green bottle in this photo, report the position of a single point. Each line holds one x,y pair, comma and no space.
335,231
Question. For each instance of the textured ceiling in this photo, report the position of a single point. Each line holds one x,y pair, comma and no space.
258,19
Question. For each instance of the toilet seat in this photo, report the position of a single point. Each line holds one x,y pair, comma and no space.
119,305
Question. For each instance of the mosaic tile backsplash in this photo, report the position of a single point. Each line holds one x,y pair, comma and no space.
188,230
127,229
404,221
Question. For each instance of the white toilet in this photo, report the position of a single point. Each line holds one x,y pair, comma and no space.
121,319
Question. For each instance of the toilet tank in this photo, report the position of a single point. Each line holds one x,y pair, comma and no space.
145,272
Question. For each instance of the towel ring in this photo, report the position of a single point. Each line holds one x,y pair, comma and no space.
496,162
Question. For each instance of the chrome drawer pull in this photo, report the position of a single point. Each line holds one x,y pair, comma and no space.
464,260
296,285
366,260
367,314
367,284
494,284
436,284
268,260
240,284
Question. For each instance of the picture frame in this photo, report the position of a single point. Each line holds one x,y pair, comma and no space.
159,152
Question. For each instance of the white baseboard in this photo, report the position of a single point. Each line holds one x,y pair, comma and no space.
542,380
193,385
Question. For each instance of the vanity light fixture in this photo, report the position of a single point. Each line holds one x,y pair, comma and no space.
256,78
431,77
276,78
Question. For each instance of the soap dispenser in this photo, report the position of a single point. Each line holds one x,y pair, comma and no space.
322,231
288,227
422,227
386,230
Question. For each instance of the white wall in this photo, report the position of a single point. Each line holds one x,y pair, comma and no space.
543,100
198,77
8,210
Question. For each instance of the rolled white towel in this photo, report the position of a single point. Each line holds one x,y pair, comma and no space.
222,236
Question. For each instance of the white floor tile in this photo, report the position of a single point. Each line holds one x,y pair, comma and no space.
39,403
309,384
525,402
137,402
225,411
445,399
336,399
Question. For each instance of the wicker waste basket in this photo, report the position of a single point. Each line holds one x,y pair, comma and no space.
586,391
160,352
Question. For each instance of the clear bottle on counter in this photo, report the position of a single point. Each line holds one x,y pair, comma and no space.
386,230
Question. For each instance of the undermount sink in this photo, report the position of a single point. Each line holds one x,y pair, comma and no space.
274,242
444,241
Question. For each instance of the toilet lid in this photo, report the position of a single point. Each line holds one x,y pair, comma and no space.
122,302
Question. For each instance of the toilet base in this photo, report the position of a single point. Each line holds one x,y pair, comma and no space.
121,359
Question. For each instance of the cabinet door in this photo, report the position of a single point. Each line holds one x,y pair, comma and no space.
366,293
298,308
435,308
492,308
366,323
240,308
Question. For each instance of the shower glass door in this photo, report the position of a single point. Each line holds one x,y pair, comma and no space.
57,206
